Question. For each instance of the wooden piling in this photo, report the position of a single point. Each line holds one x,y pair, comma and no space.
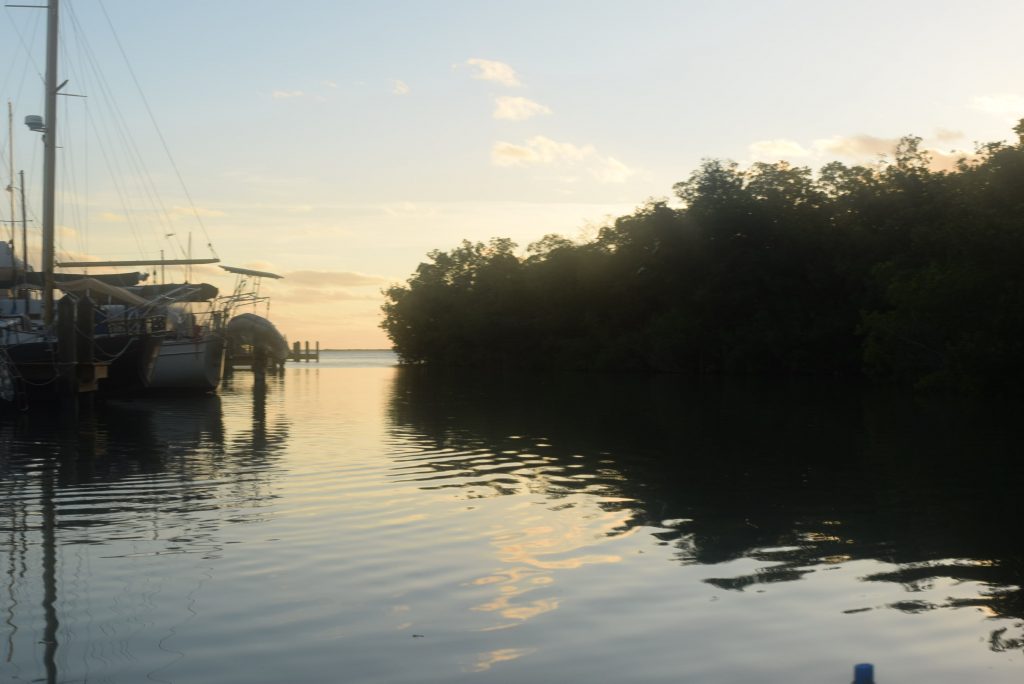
67,352
301,351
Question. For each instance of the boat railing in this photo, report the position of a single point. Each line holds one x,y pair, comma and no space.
131,324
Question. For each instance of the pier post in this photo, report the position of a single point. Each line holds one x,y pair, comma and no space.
67,352
259,362
318,351
86,375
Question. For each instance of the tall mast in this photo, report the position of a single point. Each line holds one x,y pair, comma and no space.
24,240
10,186
49,157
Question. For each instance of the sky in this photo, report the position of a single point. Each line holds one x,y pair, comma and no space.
337,143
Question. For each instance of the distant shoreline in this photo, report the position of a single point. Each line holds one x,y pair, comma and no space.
357,350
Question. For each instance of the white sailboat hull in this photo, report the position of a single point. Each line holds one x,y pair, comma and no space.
189,364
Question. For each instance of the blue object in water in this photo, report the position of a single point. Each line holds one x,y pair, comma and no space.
864,673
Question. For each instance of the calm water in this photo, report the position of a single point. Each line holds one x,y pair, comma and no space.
356,522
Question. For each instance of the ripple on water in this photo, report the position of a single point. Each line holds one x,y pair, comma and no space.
394,529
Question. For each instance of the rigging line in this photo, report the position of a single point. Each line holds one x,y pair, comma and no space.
24,69
86,225
122,199
112,162
66,177
70,206
133,155
24,45
68,190
113,167
135,158
167,150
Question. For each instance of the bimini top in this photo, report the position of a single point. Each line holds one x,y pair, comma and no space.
115,293
250,272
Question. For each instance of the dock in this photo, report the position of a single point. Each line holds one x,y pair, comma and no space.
297,352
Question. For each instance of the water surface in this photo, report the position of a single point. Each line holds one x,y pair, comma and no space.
355,521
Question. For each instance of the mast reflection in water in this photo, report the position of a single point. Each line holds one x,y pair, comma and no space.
355,521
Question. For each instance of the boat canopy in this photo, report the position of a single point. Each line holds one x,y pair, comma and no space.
137,262
257,331
250,272
35,278
118,294
177,292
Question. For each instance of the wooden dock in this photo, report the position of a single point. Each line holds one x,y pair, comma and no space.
297,352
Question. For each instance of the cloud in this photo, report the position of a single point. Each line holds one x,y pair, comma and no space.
400,88
869,149
780,148
539,150
329,84
947,161
856,146
507,154
611,170
286,94
410,210
517,108
309,295
859,149
1006,105
112,217
196,211
947,135
499,72
321,279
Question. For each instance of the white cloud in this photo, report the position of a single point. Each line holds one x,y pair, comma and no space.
946,135
611,170
311,295
517,108
194,211
947,161
400,88
498,72
540,150
1007,105
332,279
112,217
329,84
860,147
780,148
409,210
286,94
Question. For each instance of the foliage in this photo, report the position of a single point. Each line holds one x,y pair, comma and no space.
894,271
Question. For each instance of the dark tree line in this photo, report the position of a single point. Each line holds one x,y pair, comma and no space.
894,271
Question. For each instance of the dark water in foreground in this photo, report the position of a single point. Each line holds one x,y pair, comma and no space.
362,523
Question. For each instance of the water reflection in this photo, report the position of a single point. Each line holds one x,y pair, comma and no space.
131,481
765,483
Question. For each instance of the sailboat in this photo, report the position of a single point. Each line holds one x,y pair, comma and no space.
198,343
190,354
140,336
56,350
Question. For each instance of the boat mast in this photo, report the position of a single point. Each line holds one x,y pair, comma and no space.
50,157
24,242
10,186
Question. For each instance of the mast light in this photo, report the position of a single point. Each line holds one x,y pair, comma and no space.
35,123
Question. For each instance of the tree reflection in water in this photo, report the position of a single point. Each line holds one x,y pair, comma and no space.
799,475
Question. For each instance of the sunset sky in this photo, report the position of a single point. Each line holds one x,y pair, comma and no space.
336,143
